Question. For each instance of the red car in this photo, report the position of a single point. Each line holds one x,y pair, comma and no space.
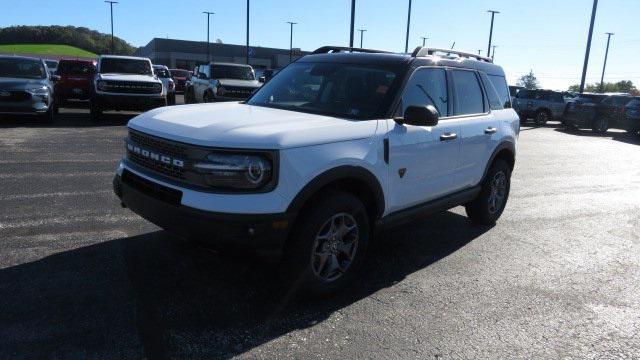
180,77
75,81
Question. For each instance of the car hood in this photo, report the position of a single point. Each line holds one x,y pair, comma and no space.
128,77
240,83
238,125
20,84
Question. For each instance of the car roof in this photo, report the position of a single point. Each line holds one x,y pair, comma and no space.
160,67
123,57
19,57
229,64
404,60
79,61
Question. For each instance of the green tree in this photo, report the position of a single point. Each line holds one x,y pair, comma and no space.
528,81
624,86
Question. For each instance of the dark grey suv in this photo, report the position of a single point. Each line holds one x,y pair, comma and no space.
26,88
539,105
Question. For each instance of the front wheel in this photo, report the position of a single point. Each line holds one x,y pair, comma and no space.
95,112
490,203
542,117
327,245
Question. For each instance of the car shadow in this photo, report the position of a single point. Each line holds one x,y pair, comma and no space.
68,118
617,135
154,296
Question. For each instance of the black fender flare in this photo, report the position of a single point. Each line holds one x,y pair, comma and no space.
344,172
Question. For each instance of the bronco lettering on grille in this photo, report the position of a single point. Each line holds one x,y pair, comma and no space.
155,156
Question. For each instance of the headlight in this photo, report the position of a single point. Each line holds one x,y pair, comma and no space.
236,171
157,87
102,86
39,91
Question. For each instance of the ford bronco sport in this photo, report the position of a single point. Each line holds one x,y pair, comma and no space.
338,144
125,83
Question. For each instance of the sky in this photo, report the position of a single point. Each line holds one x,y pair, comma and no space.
546,36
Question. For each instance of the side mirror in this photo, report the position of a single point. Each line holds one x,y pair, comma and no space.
54,78
420,116
262,79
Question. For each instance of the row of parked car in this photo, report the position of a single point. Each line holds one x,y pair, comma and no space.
31,86
598,112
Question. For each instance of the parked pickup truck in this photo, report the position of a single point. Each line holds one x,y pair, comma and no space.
76,78
125,83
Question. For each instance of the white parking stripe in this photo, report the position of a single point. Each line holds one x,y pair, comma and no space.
106,219
48,175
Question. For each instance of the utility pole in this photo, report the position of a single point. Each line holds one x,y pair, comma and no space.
586,55
111,6
406,43
247,32
208,42
493,14
361,33
353,19
493,55
424,40
291,41
479,51
606,55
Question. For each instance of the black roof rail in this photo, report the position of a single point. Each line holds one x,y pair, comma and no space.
337,49
424,51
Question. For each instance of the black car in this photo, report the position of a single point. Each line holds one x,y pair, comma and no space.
631,120
583,111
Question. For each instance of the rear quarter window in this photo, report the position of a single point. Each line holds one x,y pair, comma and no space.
500,84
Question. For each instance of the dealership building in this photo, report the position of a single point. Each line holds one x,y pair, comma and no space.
183,54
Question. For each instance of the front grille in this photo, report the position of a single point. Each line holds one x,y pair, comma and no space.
130,87
159,147
237,92
14,96
150,188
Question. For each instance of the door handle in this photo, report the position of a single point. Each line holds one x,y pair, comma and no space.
448,136
490,130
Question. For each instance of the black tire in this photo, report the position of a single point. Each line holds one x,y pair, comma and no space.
301,264
541,118
600,125
208,97
482,210
95,112
46,118
171,99
189,98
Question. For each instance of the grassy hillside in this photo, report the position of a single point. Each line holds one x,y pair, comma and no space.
45,49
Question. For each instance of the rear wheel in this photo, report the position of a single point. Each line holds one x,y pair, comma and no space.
542,117
327,245
488,206
600,126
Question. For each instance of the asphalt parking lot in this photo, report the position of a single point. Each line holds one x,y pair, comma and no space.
557,277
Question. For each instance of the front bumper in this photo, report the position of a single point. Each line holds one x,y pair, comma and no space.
33,106
161,206
132,103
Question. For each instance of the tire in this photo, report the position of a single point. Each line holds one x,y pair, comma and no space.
189,97
600,126
47,118
490,203
208,97
95,112
542,116
171,99
314,258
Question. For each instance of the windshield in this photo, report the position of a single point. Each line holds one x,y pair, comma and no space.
344,90
232,72
125,66
51,64
162,73
179,73
22,68
75,68
589,98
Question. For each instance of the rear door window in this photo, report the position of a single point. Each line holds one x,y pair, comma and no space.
469,99
427,86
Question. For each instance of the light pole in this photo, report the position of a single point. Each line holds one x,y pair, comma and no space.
586,55
247,32
291,40
208,51
353,19
406,43
111,6
361,35
424,40
493,14
479,51
606,55
493,55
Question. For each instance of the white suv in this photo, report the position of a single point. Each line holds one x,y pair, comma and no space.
337,145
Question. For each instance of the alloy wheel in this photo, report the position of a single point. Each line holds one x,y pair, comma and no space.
335,247
497,192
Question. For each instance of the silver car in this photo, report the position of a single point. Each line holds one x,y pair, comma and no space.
26,88
162,72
